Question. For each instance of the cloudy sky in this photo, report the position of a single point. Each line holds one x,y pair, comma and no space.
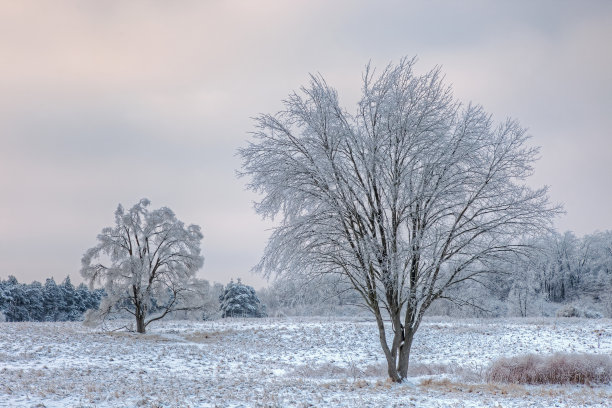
106,102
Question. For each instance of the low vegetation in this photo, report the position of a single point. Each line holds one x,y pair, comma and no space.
559,368
289,362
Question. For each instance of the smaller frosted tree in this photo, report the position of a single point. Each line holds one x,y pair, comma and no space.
6,296
15,301
147,263
240,300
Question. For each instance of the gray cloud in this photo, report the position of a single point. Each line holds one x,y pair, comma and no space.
106,102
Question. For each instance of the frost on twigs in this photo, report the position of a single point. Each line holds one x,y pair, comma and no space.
571,310
411,195
147,263
558,368
93,317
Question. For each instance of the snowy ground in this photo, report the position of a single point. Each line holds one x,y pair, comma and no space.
285,362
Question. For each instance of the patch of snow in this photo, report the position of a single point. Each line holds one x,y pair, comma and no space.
285,362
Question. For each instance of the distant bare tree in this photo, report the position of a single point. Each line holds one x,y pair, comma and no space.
412,195
307,295
147,263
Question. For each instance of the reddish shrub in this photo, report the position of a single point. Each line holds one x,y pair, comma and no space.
553,369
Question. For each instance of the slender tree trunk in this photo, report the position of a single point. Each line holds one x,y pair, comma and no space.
139,311
140,323
398,356
392,371
140,318
390,356
391,365
404,353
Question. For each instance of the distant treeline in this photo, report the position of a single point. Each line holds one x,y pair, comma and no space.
21,302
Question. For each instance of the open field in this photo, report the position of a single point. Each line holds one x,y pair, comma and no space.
286,362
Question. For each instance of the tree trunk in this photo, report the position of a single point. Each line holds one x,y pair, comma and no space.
139,311
391,357
404,354
397,365
398,357
140,323
392,371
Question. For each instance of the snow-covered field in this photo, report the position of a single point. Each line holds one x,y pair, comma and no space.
285,362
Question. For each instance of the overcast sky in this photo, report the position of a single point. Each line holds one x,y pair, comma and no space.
106,102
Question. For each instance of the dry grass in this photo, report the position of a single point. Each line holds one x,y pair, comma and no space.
465,373
153,337
447,386
583,396
207,337
331,370
554,369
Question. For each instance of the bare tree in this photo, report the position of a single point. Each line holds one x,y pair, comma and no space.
147,263
307,295
412,195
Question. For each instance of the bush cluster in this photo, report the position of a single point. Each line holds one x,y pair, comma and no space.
575,311
558,368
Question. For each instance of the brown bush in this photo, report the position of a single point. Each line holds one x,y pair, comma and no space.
553,369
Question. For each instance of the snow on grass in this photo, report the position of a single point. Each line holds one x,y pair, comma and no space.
285,362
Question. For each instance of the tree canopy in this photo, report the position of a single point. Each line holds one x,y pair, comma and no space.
49,302
240,300
147,262
411,195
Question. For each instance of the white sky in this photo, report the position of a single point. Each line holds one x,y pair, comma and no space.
106,102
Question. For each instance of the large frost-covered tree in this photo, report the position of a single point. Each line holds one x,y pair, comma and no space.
147,263
413,194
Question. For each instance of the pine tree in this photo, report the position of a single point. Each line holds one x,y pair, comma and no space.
68,307
35,299
16,307
240,300
52,300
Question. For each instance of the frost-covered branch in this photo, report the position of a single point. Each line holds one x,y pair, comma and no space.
406,198
152,260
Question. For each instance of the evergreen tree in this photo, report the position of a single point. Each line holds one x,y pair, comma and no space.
52,300
5,294
16,308
240,300
81,298
68,309
35,300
